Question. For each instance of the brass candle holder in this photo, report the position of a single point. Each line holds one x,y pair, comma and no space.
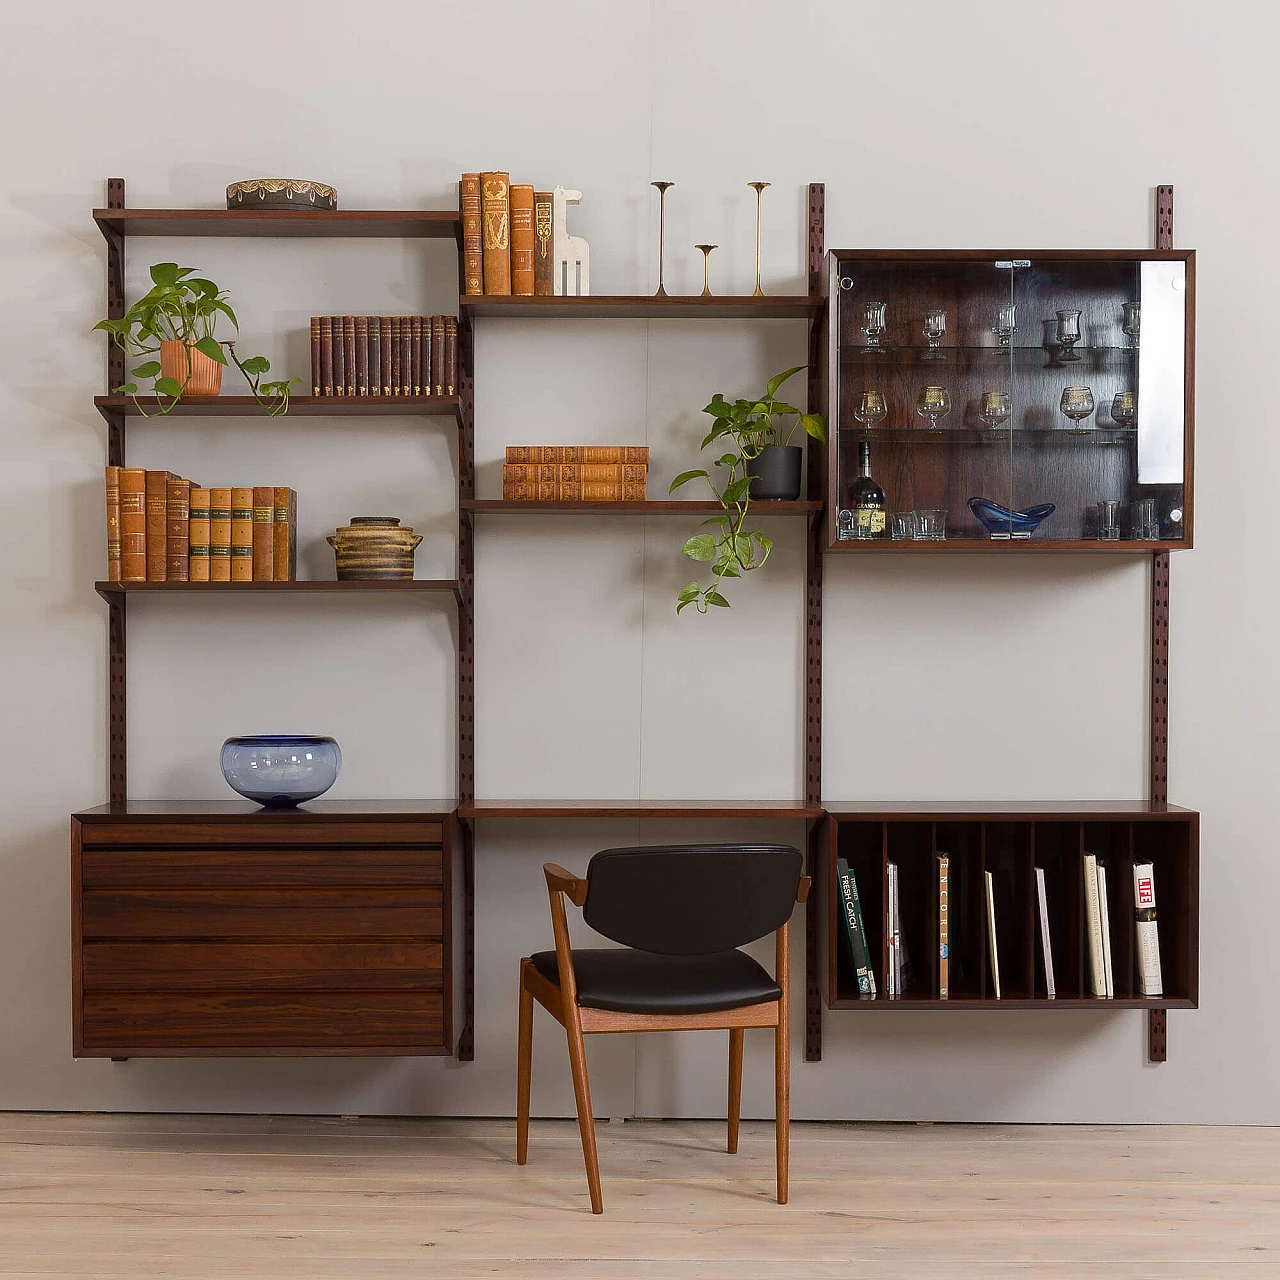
662,234
706,259
758,187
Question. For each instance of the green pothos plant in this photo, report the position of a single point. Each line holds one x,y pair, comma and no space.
749,426
183,307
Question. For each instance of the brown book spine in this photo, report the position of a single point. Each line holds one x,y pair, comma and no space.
395,356
264,515
388,348
406,356
523,240
529,491
573,491
349,352
326,356
157,519
435,374
415,354
362,355
428,354
198,536
580,453
315,355
451,355
283,551
133,524
495,206
569,472
241,535
177,529
113,524
339,358
543,252
472,235
219,535
375,355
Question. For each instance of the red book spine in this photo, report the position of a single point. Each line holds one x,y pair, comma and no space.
375,356
406,356
451,355
362,355
315,355
326,356
395,356
157,524
339,359
177,529
437,354
349,352
415,354
384,324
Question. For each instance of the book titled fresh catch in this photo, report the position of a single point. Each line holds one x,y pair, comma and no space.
855,936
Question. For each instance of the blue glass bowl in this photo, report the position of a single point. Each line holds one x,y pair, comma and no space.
1001,523
280,770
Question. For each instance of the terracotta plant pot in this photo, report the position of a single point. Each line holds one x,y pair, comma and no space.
374,548
206,374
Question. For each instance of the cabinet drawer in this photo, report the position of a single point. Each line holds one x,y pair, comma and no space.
353,1022
119,867
247,966
259,831
261,913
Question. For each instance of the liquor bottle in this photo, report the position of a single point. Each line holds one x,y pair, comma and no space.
866,500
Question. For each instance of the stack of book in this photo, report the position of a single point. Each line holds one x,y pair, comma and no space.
384,355
507,235
575,473
164,528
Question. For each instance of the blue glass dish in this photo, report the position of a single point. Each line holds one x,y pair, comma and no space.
280,770
1003,524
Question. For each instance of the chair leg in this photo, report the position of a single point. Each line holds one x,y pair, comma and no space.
782,1101
582,1094
735,1086
524,1067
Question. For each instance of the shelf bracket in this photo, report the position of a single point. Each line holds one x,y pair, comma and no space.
117,750
1157,1036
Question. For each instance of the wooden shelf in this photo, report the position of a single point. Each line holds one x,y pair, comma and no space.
1026,546
304,406
110,590
340,811
975,1002
638,809
977,810
496,506
436,224
646,306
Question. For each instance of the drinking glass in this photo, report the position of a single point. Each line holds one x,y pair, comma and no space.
902,526
933,403
873,324
931,525
1131,322
1108,521
995,409
871,408
845,531
1077,404
1124,409
1006,323
1146,524
1069,333
935,327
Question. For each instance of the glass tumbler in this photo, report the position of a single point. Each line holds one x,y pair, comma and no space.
902,526
1108,521
931,525
1146,523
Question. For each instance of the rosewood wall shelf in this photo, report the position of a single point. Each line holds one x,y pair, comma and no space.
299,406
417,586
638,809
365,224
642,307
496,506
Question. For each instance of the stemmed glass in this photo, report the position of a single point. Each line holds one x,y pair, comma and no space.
1124,413
1131,322
1077,404
933,404
873,324
1006,323
935,327
871,408
996,409
1069,334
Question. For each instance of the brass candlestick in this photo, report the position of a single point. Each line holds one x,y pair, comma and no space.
662,233
706,259
758,187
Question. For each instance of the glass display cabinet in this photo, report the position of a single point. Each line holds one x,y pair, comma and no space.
999,400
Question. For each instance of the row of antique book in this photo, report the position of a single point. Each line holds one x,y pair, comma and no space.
164,528
1097,924
507,237
384,355
575,473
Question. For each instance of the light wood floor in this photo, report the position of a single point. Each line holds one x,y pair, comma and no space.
259,1198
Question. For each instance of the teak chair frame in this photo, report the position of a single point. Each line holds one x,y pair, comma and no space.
562,1003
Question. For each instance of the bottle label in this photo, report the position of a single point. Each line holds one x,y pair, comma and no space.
870,521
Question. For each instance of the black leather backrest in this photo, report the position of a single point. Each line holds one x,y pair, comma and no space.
689,900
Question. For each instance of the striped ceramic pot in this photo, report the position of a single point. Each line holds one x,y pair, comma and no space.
206,374
374,548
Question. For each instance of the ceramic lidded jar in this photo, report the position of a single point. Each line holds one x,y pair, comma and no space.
374,548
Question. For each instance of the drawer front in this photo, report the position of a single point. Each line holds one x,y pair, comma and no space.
342,1022
259,832
121,867
261,913
270,966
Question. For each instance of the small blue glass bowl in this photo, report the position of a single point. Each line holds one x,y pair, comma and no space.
280,770
1003,524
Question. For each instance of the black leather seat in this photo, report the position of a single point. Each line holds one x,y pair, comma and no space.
629,981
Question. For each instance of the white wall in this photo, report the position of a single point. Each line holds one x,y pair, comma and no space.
933,124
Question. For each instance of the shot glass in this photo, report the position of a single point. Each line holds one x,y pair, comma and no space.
902,526
1146,524
1108,521
931,525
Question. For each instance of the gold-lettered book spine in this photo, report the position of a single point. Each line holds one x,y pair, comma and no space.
219,535
198,545
264,515
241,535
133,524
472,235
177,529
544,251
284,535
495,208
157,522
113,524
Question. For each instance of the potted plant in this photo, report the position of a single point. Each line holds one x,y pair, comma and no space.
178,320
751,427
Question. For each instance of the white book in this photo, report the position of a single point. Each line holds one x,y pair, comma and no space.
1093,928
1046,947
1150,982
897,930
1105,916
891,927
890,968
991,933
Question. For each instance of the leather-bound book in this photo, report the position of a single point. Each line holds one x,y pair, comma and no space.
375,355
264,515
133,524
472,235
177,530
406,355
436,373
198,537
523,241
415,354
543,251
284,551
573,491
580,453
362,355
495,207
569,472
339,359
349,352
326,356
315,355
157,521
396,384
113,524
428,354
451,355
219,535
242,535
388,346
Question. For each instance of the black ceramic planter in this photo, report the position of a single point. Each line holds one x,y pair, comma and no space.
776,472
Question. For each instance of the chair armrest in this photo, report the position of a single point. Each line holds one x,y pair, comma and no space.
560,881
802,889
